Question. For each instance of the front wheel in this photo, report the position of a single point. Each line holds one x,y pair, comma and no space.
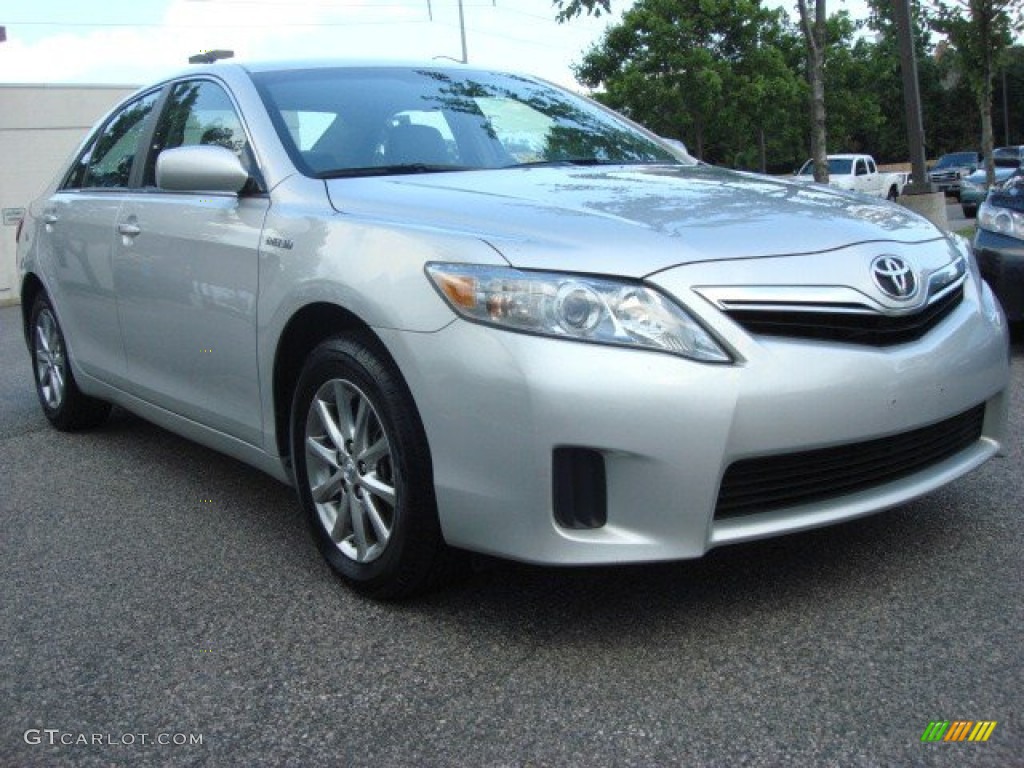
363,471
970,211
62,401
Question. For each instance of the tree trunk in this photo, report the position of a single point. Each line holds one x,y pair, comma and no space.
819,138
987,139
814,40
763,150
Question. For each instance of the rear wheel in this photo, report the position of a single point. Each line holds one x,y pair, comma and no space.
62,401
363,471
893,194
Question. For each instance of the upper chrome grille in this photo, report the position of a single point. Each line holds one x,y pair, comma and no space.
846,324
838,313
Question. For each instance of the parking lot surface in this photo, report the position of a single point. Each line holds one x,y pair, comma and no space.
164,605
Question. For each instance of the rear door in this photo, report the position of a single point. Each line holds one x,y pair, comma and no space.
185,267
79,235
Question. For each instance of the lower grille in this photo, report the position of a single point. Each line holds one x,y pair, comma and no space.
852,327
758,485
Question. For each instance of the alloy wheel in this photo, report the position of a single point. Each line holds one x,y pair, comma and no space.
350,470
50,360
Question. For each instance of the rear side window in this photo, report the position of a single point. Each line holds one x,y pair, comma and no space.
198,112
107,162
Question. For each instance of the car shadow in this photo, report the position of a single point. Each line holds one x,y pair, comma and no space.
870,561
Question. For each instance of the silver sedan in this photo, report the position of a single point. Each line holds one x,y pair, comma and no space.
463,310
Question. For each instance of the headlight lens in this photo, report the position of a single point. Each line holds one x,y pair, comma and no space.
1001,220
970,185
567,306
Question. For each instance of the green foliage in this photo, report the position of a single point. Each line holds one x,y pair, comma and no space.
728,77
570,9
713,72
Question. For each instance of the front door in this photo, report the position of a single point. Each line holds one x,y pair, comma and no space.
186,270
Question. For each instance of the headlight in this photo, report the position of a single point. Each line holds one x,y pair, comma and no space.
566,306
970,185
1001,220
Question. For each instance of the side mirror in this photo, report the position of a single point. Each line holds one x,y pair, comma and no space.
678,148
201,168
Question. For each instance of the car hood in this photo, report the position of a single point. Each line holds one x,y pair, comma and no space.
980,177
629,220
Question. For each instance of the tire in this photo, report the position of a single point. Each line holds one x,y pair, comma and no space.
363,472
63,402
970,211
893,194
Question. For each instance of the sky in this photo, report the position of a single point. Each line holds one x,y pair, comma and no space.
137,41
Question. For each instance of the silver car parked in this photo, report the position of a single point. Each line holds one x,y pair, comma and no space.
463,310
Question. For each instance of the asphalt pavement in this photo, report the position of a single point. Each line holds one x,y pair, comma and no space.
155,591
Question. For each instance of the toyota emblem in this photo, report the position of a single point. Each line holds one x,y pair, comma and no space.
894,277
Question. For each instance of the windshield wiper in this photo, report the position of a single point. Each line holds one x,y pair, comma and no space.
390,170
576,161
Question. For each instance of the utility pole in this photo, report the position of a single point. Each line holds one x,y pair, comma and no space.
462,30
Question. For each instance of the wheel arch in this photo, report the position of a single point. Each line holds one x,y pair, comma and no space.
306,328
31,287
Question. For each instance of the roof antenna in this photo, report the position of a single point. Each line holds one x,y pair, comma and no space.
209,57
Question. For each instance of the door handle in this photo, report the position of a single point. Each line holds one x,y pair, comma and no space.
50,218
128,230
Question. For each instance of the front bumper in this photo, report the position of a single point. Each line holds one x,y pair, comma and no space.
1001,260
496,405
947,185
972,196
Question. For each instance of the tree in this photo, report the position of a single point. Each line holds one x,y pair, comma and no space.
853,98
980,32
713,69
814,29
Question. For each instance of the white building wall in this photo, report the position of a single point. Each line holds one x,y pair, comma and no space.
40,127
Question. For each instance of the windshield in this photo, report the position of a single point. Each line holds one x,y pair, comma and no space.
383,120
837,166
957,160
1006,157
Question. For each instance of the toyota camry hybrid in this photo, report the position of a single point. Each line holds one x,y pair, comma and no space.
464,310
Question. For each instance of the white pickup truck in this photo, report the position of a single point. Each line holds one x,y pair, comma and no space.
859,174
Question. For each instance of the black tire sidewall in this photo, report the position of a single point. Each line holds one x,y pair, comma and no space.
77,410
415,532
